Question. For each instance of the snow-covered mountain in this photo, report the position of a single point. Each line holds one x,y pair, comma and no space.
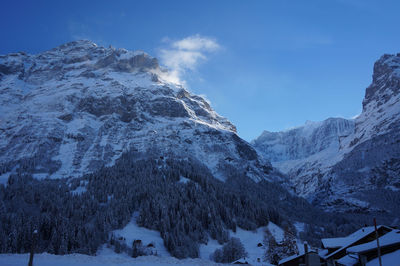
346,164
137,147
304,141
77,107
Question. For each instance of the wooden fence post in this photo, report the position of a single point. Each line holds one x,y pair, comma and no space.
34,240
377,243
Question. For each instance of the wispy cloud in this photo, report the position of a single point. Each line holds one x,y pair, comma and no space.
184,55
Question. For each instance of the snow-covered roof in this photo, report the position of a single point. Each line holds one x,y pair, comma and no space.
336,242
322,252
290,258
346,242
241,261
390,238
295,256
348,260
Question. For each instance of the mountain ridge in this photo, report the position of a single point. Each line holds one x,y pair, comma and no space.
331,175
95,102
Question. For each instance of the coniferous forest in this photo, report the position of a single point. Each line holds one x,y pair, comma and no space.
185,213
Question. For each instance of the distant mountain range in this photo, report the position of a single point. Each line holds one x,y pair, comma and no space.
347,164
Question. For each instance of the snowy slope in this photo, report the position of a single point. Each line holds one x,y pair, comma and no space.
77,107
133,232
332,162
250,241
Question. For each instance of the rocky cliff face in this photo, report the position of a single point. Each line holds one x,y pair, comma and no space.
347,165
78,107
304,141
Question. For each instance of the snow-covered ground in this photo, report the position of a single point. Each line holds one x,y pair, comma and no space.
276,232
250,241
106,257
133,232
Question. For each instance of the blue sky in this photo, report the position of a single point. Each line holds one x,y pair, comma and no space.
268,65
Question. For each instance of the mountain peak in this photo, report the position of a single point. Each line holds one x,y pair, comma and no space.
78,58
78,107
385,81
78,43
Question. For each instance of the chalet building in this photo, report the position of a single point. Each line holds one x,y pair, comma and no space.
308,258
338,248
362,254
241,261
358,249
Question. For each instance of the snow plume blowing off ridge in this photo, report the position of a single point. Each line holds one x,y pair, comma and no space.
185,54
